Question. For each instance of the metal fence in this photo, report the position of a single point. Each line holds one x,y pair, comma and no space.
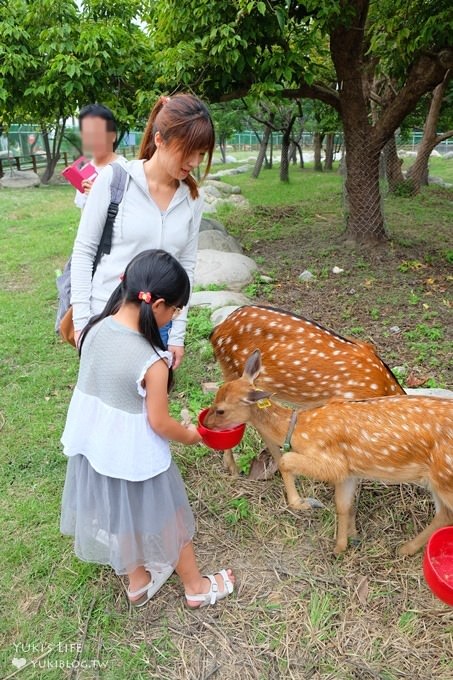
248,141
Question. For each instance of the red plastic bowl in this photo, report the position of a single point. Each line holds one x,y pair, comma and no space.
219,439
438,564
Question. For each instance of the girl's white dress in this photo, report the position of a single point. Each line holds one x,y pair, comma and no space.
123,500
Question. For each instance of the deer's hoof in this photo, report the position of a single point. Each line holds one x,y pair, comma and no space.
339,550
299,505
407,550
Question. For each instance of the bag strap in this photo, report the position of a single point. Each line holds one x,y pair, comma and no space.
117,186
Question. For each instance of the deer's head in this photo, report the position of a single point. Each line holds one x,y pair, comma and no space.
234,400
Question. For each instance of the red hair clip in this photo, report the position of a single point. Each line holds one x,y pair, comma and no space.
146,297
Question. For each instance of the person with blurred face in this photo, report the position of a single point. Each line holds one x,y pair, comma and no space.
98,132
161,208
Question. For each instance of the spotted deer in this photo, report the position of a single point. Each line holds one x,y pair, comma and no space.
302,362
393,439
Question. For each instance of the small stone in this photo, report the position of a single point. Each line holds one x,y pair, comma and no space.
306,276
209,387
266,279
395,329
337,270
351,291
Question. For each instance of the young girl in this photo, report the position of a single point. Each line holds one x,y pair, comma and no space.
124,500
161,208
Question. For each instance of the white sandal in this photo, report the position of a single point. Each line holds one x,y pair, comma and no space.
213,595
151,588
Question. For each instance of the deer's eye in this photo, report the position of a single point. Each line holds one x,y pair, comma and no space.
220,412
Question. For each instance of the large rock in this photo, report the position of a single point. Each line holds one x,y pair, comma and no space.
227,269
448,155
221,314
211,190
217,298
223,187
232,171
429,392
217,240
20,179
207,223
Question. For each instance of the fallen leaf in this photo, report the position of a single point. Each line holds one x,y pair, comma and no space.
415,381
263,467
362,590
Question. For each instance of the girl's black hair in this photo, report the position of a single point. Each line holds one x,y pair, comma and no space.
153,271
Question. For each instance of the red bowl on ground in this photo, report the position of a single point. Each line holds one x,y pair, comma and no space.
438,564
219,439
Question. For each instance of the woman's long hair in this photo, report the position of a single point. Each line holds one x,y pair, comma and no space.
152,271
183,121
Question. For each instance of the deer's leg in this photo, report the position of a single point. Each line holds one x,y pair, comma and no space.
292,464
229,463
442,518
344,500
313,464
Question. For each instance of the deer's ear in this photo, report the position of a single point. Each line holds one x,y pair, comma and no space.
252,366
256,395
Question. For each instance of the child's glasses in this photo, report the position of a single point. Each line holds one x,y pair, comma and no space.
177,311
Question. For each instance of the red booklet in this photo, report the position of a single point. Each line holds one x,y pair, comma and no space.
80,170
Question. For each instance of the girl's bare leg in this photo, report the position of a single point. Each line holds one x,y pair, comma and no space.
194,583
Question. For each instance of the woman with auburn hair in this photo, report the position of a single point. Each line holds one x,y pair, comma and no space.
161,209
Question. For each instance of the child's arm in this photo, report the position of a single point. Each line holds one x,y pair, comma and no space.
163,424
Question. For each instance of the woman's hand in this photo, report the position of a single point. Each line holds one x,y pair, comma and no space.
76,338
178,353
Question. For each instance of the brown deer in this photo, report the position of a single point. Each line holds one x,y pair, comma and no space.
393,439
302,362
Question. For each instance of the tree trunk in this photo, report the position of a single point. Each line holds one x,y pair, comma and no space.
52,153
317,143
417,174
328,162
392,165
222,145
270,160
284,162
364,217
293,153
262,152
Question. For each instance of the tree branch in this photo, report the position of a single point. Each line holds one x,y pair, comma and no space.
426,73
443,136
316,91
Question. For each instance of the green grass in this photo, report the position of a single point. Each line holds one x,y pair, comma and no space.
296,613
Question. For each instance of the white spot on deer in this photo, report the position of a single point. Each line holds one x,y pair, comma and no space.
234,348
348,395
296,363
373,386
